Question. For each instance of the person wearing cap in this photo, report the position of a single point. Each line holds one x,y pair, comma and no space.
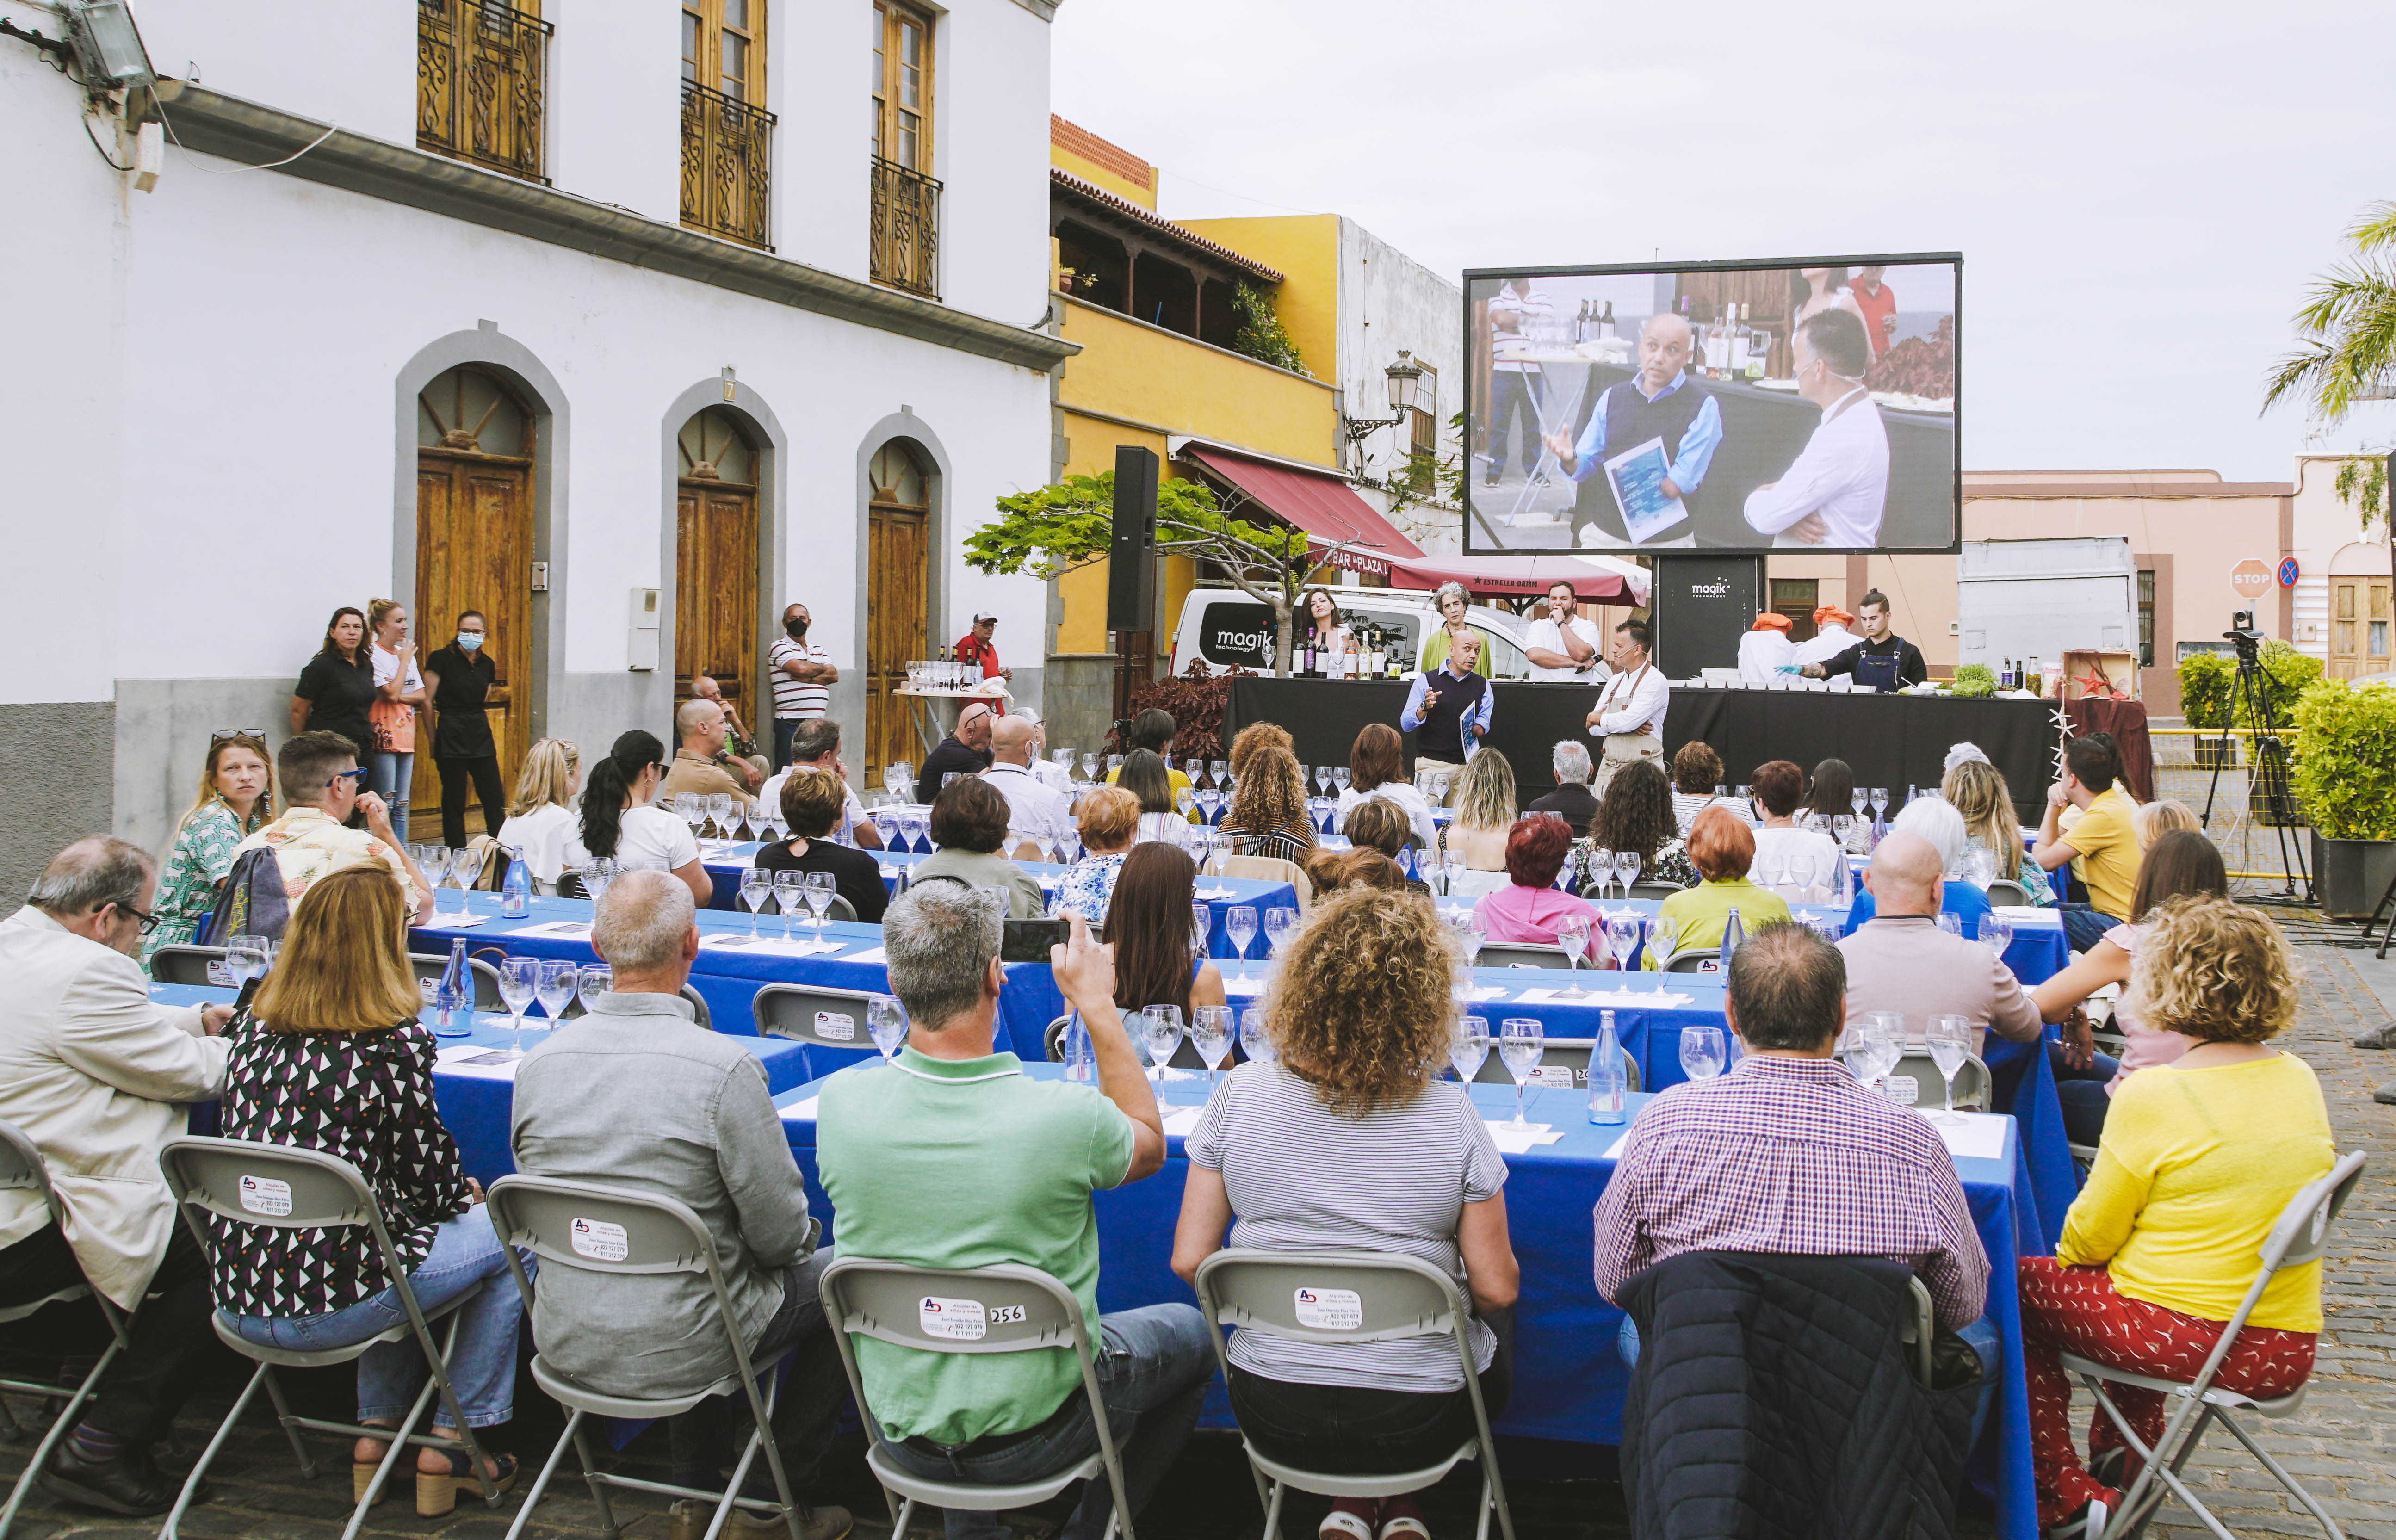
1766,649
964,752
976,647
1831,636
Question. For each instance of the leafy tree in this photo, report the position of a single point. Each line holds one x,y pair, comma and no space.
2346,352
1056,530
1261,334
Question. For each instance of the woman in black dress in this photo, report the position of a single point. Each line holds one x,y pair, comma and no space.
337,686
455,679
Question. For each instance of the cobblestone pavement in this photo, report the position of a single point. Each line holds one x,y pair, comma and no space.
2340,1445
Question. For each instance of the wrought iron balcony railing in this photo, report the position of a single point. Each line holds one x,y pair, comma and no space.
906,229
726,166
479,83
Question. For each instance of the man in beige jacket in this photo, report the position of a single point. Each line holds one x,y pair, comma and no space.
94,1074
1900,960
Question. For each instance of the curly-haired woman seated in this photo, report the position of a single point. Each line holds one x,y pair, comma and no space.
2199,1158
1722,848
1530,908
1268,806
1636,813
1346,1139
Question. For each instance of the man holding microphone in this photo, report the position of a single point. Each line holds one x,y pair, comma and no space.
1562,646
1448,710
1630,714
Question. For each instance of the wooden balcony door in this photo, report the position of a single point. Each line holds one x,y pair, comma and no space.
898,580
2360,618
715,564
474,551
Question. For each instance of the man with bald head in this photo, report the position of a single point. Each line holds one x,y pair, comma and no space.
1034,809
964,752
1660,402
700,731
1900,960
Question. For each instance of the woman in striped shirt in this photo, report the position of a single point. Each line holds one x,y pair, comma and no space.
1347,1140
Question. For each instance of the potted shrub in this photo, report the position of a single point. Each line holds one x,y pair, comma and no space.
2346,777
2205,680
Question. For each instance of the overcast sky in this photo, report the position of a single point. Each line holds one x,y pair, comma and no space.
2140,192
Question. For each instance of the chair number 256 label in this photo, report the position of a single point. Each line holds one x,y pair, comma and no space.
964,1320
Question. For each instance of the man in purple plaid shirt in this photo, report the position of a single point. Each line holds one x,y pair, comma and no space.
1787,1153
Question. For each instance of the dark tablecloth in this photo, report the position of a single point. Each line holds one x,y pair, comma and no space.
2126,721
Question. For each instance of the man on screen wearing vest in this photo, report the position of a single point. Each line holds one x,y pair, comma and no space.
1630,715
1448,711
1660,401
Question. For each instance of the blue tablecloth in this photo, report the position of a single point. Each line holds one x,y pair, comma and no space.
1569,1379
474,1100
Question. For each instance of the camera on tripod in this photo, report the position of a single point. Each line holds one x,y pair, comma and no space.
2242,631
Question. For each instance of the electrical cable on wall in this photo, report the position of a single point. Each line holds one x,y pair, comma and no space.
233,170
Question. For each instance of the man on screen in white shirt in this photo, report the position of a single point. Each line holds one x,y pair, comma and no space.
1836,490
1562,645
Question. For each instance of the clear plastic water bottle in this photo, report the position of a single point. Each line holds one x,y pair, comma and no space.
515,890
1605,1079
1081,1064
451,996
1733,933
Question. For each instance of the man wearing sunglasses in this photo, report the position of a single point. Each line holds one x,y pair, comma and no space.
321,785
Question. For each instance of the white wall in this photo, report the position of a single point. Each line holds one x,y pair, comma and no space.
1387,301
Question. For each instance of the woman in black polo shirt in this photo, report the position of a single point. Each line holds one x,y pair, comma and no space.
337,686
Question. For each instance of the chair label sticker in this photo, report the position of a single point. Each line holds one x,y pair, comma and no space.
265,1195
835,1028
1330,1310
1904,1090
220,974
1557,1075
599,1241
958,1320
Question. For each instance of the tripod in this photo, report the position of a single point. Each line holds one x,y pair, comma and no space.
2271,766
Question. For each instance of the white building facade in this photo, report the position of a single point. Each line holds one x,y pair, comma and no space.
656,301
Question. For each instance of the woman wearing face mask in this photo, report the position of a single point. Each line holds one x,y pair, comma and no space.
803,675
455,679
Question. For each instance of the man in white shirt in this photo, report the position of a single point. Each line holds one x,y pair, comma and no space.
1033,810
1517,388
1764,648
816,743
803,675
1831,637
1562,646
1835,491
1630,714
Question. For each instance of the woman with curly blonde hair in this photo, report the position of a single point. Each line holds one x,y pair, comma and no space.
1255,736
1346,1139
1268,806
2199,1158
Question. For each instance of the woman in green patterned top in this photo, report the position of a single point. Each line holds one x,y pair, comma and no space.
236,799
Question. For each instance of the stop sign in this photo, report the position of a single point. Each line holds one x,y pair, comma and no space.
2251,578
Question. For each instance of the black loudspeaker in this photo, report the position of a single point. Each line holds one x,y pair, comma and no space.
1131,558
1703,604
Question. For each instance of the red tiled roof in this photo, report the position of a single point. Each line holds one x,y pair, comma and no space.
1124,208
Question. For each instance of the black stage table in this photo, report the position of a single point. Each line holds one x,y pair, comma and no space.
1894,742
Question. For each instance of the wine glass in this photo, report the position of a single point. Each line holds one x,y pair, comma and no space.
1210,1033
465,865
1201,929
245,959
910,827
1879,803
1952,923
1160,1032
595,979
1627,864
1622,937
1472,932
1069,847
1184,800
819,892
1662,932
1340,777
1996,933
1239,924
766,823
1572,934
1217,770
1115,763
720,808
1279,922
691,808
1323,779
1703,1051
553,986
1860,799
894,779
1046,843
1886,1041
790,888
885,1022
1601,868
1469,1049
1950,1039
1521,1042
885,825
756,886
1254,1041
1843,829
519,982
1208,801
1089,767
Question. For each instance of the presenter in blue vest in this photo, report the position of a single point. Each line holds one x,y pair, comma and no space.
1448,711
1660,402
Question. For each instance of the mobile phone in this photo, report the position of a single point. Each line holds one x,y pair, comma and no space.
1029,940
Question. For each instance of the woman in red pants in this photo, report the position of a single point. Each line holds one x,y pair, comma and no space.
2198,1161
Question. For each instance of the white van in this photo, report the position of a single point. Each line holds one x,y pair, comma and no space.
1226,628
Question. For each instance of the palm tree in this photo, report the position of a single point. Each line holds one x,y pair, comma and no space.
2347,351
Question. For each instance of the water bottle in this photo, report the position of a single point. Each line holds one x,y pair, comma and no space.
1081,1064
1733,933
1605,1074
450,996
515,890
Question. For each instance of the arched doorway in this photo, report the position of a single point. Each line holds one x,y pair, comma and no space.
715,561
473,548
898,522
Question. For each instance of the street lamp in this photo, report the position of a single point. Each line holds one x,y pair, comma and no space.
1406,377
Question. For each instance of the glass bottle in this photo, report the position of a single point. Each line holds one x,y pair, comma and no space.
1605,1080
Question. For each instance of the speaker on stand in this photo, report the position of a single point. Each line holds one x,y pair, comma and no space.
1131,572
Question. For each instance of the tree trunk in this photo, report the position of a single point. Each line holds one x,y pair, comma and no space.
1284,634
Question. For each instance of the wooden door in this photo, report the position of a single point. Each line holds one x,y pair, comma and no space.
716,591
2359,622
474,551
897,574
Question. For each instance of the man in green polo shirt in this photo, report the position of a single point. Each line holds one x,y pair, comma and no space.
951,1156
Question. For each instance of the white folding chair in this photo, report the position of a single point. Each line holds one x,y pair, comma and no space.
1052,1037
185,964
429,967
1392,1296
23,1170
816,1016
1023,1310
1696,959
1523,954
1972,1084
2301,1235
276,1187
594,1229
2005,892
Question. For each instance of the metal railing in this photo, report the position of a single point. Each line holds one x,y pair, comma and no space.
479,83
906,229
726,166
2243,826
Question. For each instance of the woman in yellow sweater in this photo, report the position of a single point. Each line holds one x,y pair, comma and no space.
2200,1156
